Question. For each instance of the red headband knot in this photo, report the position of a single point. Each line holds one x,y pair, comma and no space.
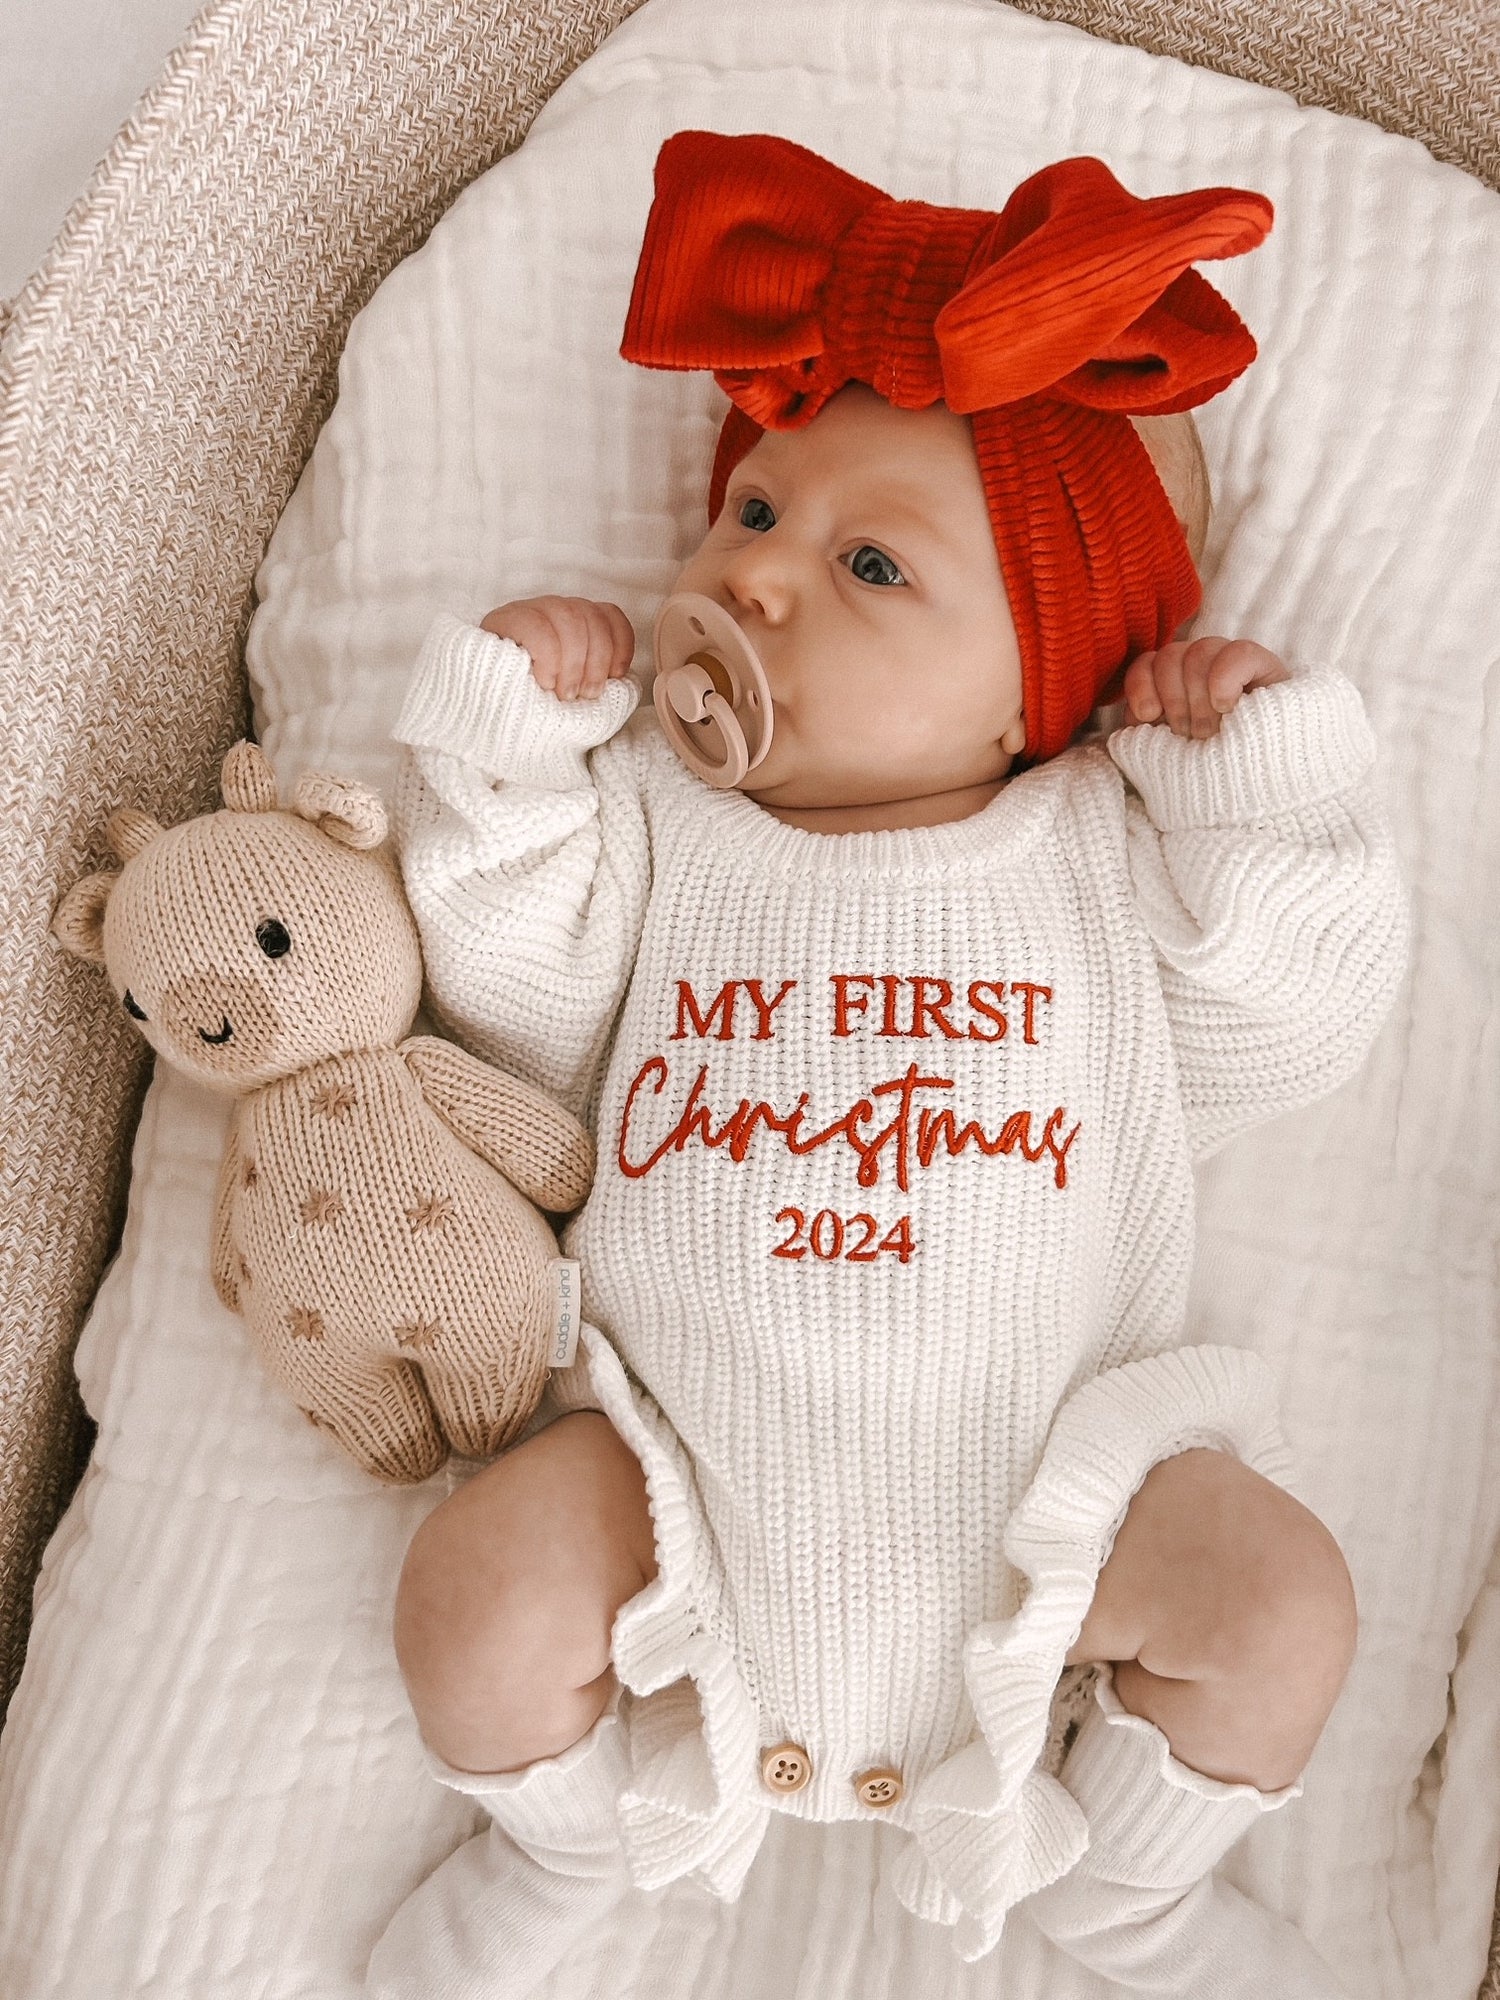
1048,325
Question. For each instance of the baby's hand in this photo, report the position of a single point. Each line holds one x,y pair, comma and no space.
1191,687
576,645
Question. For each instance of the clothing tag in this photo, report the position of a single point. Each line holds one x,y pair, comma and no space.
566,1287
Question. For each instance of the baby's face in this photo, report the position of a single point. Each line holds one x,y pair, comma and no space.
856,555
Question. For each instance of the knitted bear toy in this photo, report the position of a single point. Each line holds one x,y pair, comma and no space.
367,1221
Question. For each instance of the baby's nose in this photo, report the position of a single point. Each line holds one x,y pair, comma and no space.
760,580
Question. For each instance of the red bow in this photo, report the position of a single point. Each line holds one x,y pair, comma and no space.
774,268
1048,325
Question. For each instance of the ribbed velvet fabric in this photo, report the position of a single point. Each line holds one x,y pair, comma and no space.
1048,324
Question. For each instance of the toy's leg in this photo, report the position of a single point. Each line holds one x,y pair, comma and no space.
494,1919
480,1410
1227,1610
378,1410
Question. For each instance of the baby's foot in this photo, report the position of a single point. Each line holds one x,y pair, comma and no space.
489,1924
1141,1905
502,1910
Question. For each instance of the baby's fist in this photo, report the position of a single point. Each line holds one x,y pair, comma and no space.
576,645
1193,686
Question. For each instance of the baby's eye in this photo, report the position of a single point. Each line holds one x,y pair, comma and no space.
872,565
757,514
133,1006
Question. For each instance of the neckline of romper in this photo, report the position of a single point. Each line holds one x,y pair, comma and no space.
1000,835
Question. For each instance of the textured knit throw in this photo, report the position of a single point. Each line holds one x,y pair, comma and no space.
1049,325
374,1220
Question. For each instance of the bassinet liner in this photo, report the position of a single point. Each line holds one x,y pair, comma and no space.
162,378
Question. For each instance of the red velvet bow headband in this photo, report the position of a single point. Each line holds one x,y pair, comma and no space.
1048,325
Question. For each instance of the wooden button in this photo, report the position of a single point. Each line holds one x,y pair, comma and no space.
785,1768
878,1789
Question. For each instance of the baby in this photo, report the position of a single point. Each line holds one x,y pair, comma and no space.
899,1055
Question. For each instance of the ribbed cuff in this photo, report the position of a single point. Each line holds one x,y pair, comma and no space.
1162,1820
472,696
1297,743
557,1801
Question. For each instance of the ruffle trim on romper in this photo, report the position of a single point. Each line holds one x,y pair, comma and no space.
691,1806
988,1827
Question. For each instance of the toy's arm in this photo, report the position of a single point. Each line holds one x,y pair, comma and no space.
521,1131
1265,873
527,862
224,1258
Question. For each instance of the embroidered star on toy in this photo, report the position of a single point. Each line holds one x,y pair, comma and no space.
418,1332
334,1100
431,1212
305,1323
322,1205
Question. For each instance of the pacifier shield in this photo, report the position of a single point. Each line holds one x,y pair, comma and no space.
710,690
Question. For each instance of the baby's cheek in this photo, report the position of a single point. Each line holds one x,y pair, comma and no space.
695,573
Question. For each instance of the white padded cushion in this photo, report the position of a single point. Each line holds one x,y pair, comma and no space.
210,1754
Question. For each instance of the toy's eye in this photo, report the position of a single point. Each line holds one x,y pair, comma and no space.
133,1006
872,565
758,514
273,937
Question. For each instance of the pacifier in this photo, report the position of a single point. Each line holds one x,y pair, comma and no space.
710,690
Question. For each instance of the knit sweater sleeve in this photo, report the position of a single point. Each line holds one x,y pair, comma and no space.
525,856
1263,868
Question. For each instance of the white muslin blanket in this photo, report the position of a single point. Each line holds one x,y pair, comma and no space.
209,1782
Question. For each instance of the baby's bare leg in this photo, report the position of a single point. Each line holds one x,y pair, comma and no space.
1229,1613
509,1593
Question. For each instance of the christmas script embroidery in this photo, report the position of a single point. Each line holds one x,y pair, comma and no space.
912,1133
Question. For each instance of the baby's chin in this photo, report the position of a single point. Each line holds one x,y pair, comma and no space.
845,804
790,778
811,790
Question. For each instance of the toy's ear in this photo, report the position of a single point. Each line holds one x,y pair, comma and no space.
129,830
78,924
344,811
247,780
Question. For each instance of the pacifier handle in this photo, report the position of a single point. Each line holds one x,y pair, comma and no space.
693,699
710,690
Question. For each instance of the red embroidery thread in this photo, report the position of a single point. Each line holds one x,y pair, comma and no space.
932,1128
851,1008
1030,990
921,1007
723,1003
687,1003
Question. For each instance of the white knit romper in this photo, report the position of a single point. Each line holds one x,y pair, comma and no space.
885,1262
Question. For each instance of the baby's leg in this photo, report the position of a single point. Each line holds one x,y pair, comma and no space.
1226,1611
1229,1613
509,1594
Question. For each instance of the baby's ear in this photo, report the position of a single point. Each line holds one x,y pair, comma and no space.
78,924
344,811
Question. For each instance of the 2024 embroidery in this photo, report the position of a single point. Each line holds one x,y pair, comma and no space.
829,1243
